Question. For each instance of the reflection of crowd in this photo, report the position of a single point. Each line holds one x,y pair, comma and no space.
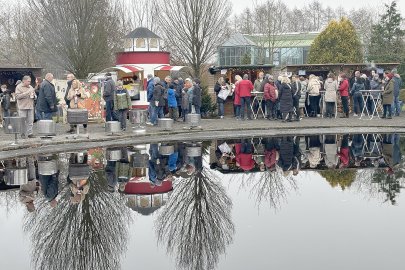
41,174
169,161
157,164
292,154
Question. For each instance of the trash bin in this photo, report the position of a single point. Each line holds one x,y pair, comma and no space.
193,119
112,127
46,128
165,123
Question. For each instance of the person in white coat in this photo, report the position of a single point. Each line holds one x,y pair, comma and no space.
331,88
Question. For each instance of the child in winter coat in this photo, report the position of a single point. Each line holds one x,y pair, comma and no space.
270,96
5,98
172,102
122,103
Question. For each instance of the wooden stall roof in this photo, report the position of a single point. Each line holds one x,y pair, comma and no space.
341,66
10,67
245,67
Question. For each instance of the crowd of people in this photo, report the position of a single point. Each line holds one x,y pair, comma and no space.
173,96
292,98
284,98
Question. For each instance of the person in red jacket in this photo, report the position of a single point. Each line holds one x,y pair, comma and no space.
245,93
244,155
270,96
344,94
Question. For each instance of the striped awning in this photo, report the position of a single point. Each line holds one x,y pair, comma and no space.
169,68
124,68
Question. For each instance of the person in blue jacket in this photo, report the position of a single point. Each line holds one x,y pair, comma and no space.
149,95
172,102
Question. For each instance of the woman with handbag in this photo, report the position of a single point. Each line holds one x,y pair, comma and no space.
220,86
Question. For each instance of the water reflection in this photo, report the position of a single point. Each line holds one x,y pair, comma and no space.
79,205
196,224
86,227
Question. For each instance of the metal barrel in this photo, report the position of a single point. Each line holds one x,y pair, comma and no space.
138,117
47,167
193,119
46,127
165,123
112,127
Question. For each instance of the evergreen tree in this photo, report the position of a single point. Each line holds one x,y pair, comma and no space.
338,43
387,42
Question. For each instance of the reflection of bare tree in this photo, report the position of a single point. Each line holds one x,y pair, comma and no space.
271,187
9,200
363,184
90,235
196,223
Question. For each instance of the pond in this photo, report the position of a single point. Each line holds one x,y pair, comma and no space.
295,202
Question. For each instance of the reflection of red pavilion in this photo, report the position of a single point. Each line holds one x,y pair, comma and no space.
145,198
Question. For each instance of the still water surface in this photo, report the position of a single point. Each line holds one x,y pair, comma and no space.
314,202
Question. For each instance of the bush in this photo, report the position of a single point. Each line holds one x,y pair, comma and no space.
207,105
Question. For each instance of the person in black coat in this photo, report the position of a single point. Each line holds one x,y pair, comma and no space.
296,92
159,98
47,102
197,92
108,96
285,96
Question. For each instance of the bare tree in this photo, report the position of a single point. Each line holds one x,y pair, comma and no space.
246,22
364,17
271,19
316,13
19,39
196,223
143,13
193,29
329,14
79,36
340,12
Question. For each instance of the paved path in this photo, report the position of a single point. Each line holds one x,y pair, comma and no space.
211,129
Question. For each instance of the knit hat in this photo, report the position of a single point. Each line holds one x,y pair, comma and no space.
390,75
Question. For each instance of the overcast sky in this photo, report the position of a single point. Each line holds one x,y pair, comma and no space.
347,4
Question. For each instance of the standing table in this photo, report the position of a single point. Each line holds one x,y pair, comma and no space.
257,96
377,104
